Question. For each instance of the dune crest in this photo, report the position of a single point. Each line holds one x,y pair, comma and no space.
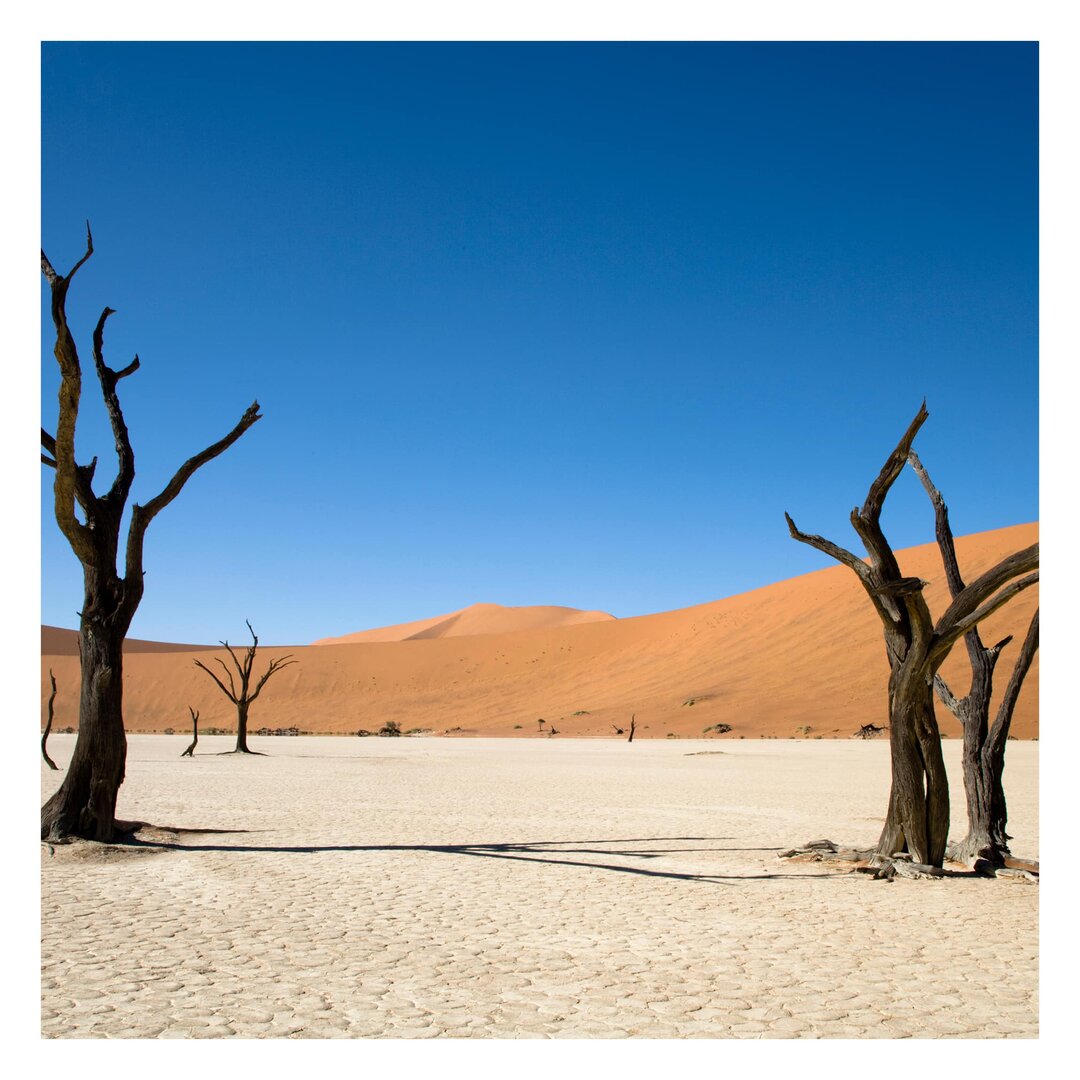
473,620
803,658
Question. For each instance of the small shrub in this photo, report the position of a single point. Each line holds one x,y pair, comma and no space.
581,712
517,727
363,733
805,729
720,729
390,728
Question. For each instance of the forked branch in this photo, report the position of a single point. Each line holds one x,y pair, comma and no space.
141,516
108,380
959,618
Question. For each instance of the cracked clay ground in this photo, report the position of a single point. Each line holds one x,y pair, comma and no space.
414,888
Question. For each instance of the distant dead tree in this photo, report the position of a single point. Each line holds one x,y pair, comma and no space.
869,731
984,743
633,725
190,751
85,803
917,819
243,696
618,730
48,723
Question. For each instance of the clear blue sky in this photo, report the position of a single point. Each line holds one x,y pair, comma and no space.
538,323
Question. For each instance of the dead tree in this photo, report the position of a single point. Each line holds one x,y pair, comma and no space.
984,744
190,751
243,696
633,726
48,723
917,818
85,804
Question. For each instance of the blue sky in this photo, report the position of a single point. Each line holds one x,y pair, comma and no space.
539,323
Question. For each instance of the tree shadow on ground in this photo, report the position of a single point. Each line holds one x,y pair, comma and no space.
542,851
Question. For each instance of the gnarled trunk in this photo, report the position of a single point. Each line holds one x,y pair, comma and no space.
917,820
85,803
986,842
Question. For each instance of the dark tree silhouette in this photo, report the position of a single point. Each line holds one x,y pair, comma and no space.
85,803
190,751
633,728
243,696
984,744
917,820
48,723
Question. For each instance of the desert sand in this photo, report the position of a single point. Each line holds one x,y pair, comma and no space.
800,658
411,888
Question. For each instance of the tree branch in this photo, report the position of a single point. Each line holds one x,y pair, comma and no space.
141,516
66,485
875,498
1021,562
944,640
108,380
1000,730
200,664
946,695
942,528
89,251
866,521
228,673
275,665
883,604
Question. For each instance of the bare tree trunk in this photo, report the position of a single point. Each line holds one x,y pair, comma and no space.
241,728
917,819
633,726
190,751
917,816
241,694
85,803
48,724
986,842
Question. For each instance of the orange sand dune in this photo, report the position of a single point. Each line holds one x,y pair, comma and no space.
478,619
56,641
802,657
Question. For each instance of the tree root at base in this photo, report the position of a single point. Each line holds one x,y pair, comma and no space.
900,864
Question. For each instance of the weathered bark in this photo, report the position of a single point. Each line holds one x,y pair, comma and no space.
983,756
85,803
243,696
917,817
190,751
